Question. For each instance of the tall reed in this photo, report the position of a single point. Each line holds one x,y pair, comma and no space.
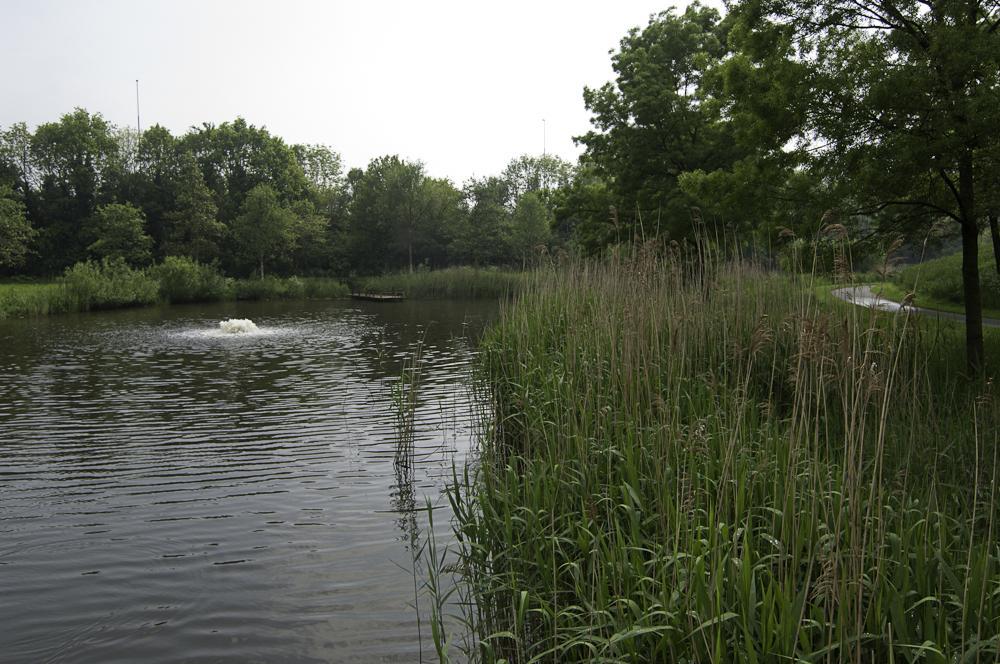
452,282
693,461
18,300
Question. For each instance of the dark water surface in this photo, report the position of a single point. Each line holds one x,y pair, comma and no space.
169,493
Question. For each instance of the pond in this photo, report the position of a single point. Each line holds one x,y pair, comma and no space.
169,492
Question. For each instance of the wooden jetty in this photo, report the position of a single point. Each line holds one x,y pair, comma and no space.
378,297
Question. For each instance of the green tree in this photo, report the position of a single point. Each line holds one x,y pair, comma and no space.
236,157
17,168
322,167
15,231
191,227
153,182
655,122
895,101
443,213
528,173
484,234
583,213
71,159
265,229
119,233
531,225
399,216
312,251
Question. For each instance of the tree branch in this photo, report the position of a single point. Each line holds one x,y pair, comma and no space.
951,186
924,204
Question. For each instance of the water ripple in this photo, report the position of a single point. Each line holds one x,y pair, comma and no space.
171,492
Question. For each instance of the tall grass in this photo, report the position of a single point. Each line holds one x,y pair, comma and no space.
18,300
703,465
453,282
283,288
113,284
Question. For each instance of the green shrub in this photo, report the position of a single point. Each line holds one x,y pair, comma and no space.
182,279
108,285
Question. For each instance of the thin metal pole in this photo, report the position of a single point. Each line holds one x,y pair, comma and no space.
138,126
543,137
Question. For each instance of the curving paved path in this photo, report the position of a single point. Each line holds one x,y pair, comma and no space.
864,296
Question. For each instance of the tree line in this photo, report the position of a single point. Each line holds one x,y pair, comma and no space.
236,196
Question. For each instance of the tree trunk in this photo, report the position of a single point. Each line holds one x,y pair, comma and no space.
995,234
262,266
409,249
970,268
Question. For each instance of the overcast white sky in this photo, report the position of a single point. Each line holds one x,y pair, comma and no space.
462,86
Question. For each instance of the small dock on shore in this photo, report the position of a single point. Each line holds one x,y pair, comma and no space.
378,297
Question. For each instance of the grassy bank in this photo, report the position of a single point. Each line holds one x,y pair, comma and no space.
714,467
938,283
114,285
453,282
894,291
18,299
89,286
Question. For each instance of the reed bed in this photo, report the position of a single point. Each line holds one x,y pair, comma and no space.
694,461
18,300
114,285
449,283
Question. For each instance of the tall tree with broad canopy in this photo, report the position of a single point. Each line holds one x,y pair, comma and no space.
72,159
17,166
896,101
399,216
119,233
265,229
653,123
237,156
530,173
15,231
531,225
152,184
191,226
484,234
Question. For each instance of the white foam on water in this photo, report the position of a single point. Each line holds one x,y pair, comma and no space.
238,326
231,328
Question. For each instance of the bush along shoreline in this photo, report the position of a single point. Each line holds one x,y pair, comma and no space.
705,465
113,284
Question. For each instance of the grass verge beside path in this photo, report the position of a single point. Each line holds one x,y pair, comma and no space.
896,293
712,466
938,282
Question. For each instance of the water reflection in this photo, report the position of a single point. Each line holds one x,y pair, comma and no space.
167,495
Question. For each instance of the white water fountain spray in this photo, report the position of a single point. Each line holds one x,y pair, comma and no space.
238,326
